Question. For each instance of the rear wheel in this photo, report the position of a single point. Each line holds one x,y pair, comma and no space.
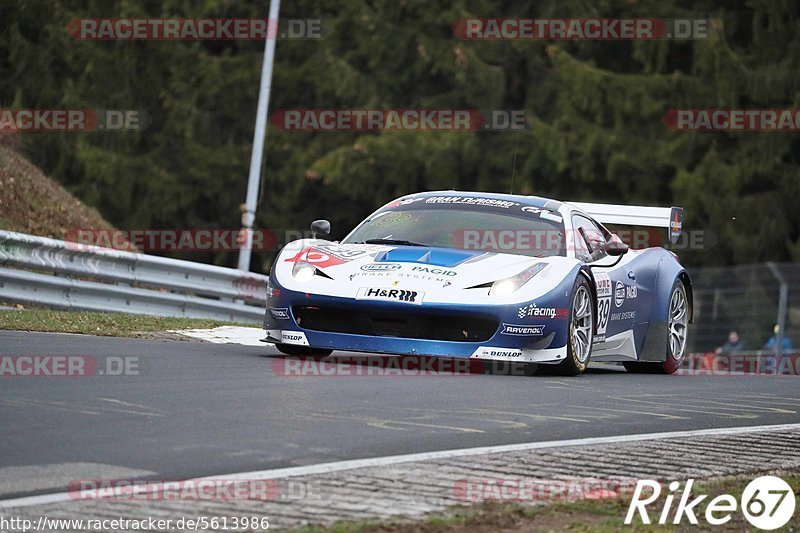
678,325
303,351
581,330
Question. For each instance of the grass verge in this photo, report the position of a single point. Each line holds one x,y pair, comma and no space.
102,324
581,516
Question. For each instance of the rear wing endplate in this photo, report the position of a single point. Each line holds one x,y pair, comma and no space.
636,215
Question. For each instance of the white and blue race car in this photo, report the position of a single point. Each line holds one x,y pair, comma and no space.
486,276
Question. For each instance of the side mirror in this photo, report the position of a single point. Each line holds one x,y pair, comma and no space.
616,247
322,227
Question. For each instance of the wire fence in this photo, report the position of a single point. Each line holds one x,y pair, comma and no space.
748,299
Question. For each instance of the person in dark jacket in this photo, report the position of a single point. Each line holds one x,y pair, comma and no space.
734,345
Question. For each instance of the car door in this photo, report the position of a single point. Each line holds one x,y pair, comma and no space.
615,281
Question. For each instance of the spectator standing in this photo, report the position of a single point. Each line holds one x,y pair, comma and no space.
772,342
734,345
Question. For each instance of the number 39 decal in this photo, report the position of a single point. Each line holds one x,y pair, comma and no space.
603,283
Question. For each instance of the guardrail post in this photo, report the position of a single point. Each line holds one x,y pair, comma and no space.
783,300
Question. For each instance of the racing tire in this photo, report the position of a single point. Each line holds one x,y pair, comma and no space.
580,332
677,328
302,351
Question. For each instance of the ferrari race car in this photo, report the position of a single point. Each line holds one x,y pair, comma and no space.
488,276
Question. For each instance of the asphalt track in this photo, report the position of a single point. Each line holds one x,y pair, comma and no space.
196,409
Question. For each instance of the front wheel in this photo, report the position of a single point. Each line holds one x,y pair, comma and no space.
678,325
581,330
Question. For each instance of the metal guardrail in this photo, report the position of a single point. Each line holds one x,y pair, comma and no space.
66,275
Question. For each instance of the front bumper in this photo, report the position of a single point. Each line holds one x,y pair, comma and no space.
524,332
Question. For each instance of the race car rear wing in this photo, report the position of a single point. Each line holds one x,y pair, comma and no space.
636,215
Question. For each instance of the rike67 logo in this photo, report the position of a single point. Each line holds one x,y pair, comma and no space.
767,503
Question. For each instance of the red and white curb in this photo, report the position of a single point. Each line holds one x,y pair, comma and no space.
714,454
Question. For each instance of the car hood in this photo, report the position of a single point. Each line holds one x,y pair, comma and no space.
344,268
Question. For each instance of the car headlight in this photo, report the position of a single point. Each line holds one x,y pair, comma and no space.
504,287
302,271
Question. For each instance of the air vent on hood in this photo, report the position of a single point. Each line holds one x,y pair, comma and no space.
441,257
318,272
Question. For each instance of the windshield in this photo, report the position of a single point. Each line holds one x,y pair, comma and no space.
508,227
